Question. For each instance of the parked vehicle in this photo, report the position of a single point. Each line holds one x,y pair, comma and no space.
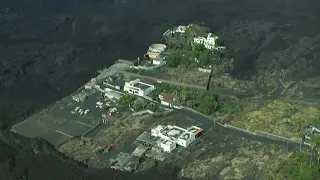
87,111
81,111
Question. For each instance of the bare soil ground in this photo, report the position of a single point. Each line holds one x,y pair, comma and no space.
189,76
122,133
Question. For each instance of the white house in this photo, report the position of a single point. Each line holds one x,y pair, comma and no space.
208,42
139,87
181,29
156,130
112,95
199,40
195,130
157,61
185,139
155,50
167,99
167,145
174,30
170,136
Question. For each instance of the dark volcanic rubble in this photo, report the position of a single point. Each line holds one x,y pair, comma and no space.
49,48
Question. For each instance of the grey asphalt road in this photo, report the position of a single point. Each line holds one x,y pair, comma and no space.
208,123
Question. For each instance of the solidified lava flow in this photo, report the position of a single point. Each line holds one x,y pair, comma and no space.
49,49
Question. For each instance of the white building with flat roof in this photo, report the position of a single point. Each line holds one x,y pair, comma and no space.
139,87
167,145
112,95
174,134
208,42
156,130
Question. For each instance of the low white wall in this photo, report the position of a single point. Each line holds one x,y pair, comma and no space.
204,70
142,112
148,67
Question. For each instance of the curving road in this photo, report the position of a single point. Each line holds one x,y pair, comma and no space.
208,123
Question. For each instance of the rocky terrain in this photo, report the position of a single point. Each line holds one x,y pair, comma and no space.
49,48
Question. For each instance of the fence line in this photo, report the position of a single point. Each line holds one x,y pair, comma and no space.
273,136
307,148
237,128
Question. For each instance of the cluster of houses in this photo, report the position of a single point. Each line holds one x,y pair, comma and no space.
171,136
155,54
209,42
168,138
143,87
115,87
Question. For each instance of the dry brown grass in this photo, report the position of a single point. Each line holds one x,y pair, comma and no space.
228,83
79,149
189,76
118,133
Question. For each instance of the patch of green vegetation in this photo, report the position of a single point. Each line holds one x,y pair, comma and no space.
190,51
203,101
229,107
126,100
174,59
209,103
280,118
139,105
315,141
298,167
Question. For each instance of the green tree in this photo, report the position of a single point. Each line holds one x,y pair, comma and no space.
315,141
174,43
174,59
204,59
209,103
198,47
184,94
126,100
298,167
229,107
139,105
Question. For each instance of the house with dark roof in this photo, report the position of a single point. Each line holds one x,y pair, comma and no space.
167,99
115,82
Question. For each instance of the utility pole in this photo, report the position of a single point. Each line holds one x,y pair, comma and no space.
311,156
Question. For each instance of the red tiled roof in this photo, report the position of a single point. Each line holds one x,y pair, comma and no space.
110,117
168,97
90,85
198,131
